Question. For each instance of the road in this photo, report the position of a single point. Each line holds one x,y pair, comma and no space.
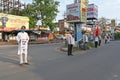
48,63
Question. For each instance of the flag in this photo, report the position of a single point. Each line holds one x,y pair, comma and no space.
97,30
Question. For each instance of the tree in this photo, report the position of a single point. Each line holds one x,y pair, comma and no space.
29,12
46,11
102,23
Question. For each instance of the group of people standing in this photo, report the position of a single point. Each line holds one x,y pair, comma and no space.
23,38
97,39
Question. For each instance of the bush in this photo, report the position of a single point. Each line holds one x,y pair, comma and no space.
117,35
89,45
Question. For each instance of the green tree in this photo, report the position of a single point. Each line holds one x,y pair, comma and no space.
102,22
29,12
46,11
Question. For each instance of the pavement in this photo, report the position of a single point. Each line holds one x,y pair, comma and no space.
42,41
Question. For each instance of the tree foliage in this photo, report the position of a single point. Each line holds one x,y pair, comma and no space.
102,22
44,10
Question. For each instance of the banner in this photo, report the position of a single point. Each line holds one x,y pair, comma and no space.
92,11
77,1
13,22
78,32
73,12
83,9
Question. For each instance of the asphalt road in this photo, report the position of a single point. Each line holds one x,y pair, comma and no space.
48,63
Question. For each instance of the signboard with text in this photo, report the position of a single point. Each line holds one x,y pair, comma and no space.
78,32
73,12
13,22
83,9
92,11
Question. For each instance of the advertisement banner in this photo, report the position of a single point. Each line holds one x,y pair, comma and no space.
92,11
73,12
13,22
83,9
78,32
77,1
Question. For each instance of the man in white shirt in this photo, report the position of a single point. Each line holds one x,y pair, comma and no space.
96,41
22,39
85,40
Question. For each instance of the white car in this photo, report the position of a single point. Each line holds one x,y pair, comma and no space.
61,37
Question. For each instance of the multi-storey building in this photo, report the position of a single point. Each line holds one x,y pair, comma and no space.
63,24
6,6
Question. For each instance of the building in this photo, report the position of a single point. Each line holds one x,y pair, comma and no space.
6,6
63,24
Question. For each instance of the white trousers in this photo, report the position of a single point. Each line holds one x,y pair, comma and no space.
23,56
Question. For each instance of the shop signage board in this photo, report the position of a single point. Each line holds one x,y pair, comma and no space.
13,22
92,11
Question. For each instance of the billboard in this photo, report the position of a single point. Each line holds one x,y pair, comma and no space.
13,22
78,32
92,11
73,12
83,9
76,1
77,12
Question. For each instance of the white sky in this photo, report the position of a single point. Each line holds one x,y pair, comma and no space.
106,8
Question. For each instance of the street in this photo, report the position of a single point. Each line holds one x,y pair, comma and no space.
47,62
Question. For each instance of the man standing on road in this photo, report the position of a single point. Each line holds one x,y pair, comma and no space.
96,41
22,39
70,44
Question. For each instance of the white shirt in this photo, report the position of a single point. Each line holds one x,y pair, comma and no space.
22,39
96,38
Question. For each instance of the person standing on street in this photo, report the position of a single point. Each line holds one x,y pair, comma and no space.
96,41
100,39
22,39
106,39
70,45
85,40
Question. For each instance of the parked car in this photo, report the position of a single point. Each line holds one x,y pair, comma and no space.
33,37
60,37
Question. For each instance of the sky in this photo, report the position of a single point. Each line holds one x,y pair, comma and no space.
106,8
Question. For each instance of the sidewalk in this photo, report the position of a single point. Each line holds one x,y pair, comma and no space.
42,41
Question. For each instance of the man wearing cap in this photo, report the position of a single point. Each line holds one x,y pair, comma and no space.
22,39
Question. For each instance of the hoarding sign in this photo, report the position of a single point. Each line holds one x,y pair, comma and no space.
78,32
13,22
84,10
73,12
92,11
77,1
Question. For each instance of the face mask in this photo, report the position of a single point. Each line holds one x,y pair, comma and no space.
22,30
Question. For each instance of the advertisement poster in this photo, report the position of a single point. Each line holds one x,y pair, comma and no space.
73,12
92,11
83,9
78,32
13,22
77,1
